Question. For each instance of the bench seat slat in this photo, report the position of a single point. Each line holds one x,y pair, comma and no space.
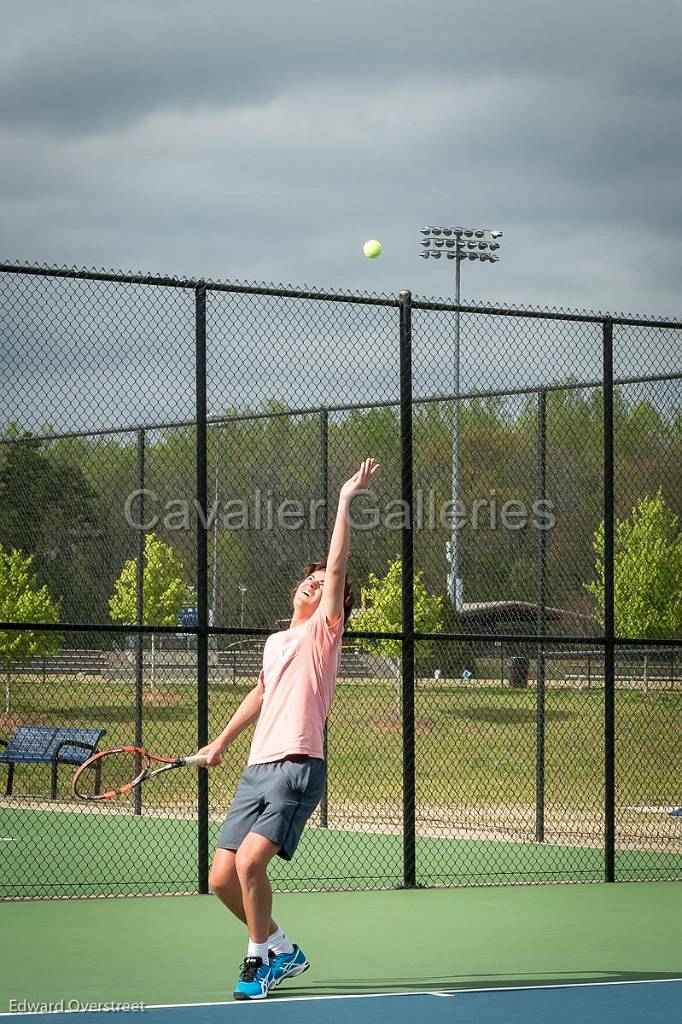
36,744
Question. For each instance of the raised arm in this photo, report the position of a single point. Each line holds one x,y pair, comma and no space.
337,559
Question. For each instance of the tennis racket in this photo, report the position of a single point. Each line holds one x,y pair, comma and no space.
120,769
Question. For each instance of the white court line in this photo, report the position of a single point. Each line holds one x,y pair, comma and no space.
452,992
365,995
8,839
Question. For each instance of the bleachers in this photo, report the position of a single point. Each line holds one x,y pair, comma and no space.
246,659
67,662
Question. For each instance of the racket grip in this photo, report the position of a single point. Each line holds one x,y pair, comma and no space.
197,759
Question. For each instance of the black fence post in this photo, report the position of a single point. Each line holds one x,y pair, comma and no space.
609,613
139,610
202,583
324,497
542,594
409,827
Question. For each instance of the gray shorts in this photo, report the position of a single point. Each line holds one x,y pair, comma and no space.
275,800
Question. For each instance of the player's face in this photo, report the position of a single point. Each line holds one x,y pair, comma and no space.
309,592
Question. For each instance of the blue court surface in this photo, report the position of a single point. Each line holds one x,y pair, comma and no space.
633,1002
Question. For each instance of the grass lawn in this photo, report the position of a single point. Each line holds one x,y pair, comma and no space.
475,745
475,763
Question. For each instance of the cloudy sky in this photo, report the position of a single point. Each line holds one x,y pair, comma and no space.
266,140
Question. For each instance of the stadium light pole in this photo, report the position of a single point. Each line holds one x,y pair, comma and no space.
212,612
458,244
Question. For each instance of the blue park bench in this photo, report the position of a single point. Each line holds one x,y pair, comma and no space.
47,744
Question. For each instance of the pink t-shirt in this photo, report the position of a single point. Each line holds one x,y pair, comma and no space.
299,677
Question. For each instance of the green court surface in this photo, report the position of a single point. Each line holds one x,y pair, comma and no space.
63,853
187,949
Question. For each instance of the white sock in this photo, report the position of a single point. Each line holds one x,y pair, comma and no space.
258,949
279,943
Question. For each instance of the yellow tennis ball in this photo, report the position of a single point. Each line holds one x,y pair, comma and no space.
372,249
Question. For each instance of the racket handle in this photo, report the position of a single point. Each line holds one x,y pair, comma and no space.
197,759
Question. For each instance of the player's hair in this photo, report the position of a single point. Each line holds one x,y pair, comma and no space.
348,598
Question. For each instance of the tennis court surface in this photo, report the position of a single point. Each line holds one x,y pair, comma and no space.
524,953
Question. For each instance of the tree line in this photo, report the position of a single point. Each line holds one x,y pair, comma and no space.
64,501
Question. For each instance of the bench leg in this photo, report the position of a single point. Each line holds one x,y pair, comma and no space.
53,781
10,779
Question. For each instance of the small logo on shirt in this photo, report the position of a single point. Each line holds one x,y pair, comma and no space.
288,648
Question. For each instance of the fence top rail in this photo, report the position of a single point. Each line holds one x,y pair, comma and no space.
393,403
165,281
366,298
536,313
536,639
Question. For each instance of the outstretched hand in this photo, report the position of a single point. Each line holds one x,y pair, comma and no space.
359,480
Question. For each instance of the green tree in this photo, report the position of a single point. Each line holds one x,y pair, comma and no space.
381,611
648,571
23,600
51,511
164,591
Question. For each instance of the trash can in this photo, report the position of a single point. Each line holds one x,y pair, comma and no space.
518,673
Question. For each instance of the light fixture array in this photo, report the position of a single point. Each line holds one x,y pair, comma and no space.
481,244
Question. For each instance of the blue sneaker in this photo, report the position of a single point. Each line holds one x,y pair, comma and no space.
287,965
255,979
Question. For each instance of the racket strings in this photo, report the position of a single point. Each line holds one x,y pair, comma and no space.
111,773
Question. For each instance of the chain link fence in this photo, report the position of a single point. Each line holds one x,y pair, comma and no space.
519,722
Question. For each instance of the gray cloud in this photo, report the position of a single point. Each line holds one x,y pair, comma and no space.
267,141
83,66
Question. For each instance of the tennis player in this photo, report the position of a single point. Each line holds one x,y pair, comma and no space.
285,775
